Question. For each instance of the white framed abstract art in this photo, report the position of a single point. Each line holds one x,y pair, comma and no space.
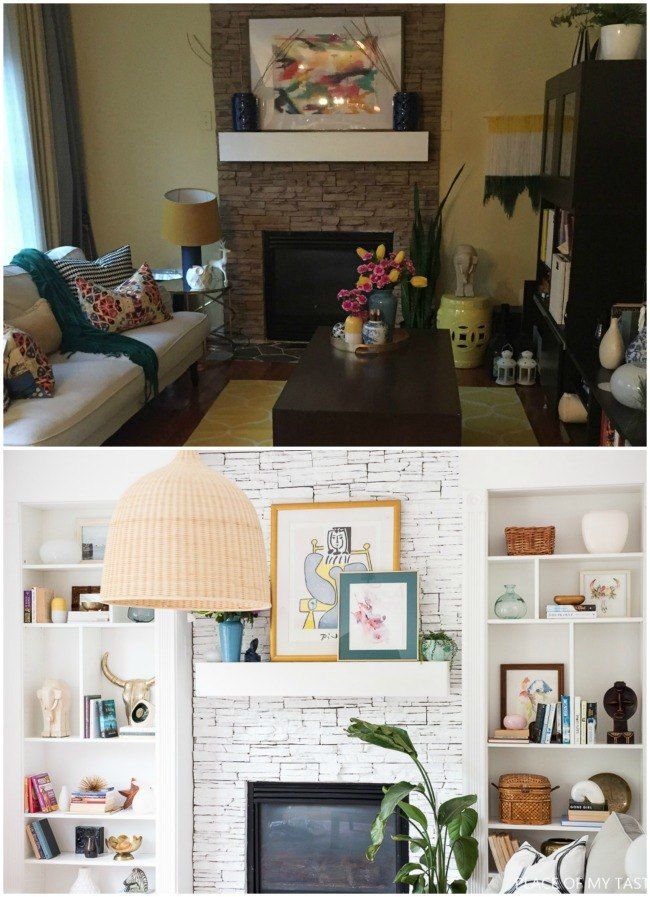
379,617
312,73
312,545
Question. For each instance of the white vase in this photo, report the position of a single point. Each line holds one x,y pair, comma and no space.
605,532
144,801
626,384
622,41
63,799
60,551
611,351
84,883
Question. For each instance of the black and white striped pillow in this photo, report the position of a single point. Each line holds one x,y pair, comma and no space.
108,271
530,872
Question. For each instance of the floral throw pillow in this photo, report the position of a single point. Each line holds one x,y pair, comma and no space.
135,303
27,372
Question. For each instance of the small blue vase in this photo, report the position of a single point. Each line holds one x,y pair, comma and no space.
230,638
385,302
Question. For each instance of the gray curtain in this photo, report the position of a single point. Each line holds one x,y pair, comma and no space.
75,227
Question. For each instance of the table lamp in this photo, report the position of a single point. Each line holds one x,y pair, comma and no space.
185,538
190,220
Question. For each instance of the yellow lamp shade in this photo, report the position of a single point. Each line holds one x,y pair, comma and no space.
185,538
190,217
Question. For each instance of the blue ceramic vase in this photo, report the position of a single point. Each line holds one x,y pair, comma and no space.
385,302
230,638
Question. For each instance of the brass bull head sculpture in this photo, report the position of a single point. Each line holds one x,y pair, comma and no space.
135,694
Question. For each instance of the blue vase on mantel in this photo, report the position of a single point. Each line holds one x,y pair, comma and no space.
385,302
230,639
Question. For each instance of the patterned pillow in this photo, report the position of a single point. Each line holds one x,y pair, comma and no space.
135,303
107,271
27,372
529,872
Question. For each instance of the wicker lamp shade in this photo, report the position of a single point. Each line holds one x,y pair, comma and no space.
185,538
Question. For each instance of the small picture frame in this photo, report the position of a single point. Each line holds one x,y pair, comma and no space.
609,590
524,684
91,535
379,616
77,591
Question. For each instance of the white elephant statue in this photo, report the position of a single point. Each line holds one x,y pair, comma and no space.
465,260
201,277
54,698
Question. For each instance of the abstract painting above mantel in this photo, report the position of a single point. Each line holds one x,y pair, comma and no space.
322,80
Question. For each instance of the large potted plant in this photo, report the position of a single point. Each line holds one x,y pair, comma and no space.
445,832
622,26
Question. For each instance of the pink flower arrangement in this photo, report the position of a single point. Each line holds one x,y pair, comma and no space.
378,271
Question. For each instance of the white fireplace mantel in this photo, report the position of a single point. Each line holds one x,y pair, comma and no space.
324,146
323,679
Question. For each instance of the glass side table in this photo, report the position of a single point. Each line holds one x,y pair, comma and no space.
222,345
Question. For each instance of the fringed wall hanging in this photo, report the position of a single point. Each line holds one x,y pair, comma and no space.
514,154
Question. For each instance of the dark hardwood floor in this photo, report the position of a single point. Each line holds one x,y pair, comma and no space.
170,419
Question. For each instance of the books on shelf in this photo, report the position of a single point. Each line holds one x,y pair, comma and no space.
39,796
502,848
572,823
586,813
579,720
90,803
510,735
42,840
107,719
566,611
91,716
36,604
135,731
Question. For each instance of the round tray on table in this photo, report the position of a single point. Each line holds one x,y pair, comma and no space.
399,339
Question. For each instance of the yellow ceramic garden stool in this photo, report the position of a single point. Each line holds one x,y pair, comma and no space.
469,321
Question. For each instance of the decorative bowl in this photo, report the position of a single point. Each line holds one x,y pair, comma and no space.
124,846
91,605
569,599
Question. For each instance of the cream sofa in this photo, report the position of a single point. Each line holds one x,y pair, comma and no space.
94,395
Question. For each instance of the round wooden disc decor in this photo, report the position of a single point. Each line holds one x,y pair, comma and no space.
569,599
616,790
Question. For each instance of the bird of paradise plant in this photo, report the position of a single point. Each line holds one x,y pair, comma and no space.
454,821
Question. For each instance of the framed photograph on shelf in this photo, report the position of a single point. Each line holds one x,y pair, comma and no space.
311,546
379,617
314,73
75,596
91,535
524,684
609,590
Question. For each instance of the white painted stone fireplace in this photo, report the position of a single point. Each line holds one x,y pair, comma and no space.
241,739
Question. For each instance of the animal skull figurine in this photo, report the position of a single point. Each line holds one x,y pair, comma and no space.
54,698
465,259
135,694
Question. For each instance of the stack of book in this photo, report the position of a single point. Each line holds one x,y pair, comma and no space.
36,605
579,720
546,729
567,611
39,796
502,848
585,815
41,837
100,719
92,803
509,736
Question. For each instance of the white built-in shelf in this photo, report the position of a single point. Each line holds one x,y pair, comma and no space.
120,815
324,146
75,739
588,622
555,826
532,745
514,558
320,679
98,624
86,565
105,859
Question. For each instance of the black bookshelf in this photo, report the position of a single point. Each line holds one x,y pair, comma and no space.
594,176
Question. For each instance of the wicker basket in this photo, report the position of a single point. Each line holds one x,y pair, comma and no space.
530,539
524,799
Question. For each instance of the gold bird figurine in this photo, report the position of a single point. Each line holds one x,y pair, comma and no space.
124,846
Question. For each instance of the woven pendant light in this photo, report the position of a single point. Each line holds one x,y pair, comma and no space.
185,538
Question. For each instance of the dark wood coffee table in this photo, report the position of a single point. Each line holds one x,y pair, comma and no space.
400,398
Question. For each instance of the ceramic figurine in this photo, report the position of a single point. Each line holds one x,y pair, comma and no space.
626,385
587,791
135,694
54,698
84,883
605,532
570,409
611,351
124,846
250,654
199,277
136,882
90,847
129,793
374,331
620,702
144,801
465,259
221,260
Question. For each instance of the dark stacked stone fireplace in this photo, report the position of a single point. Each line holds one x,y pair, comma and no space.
311,838
303,273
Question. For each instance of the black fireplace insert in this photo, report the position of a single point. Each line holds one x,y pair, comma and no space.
311,838
303,273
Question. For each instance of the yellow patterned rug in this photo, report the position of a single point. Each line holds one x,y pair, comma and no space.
241,415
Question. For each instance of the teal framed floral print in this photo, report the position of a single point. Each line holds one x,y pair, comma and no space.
379,618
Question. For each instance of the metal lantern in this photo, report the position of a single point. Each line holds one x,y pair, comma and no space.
526,369
506,369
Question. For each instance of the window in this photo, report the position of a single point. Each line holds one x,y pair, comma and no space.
23,220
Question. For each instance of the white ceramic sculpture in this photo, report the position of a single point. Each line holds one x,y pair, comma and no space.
60,551
605,532
145,800
221,260
571,410
54,698
63,800
587,790
199,277
465,259
84,883
611,350
626,385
